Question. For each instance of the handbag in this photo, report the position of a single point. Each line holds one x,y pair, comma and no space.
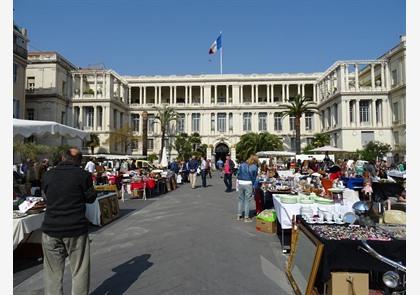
198,170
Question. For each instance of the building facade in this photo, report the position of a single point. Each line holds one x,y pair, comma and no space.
20,56
358,101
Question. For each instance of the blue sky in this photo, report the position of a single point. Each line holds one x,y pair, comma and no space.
162,37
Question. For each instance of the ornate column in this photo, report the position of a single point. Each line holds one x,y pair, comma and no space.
268,93
372,76
175,94
72,85
387,77
287,92
156,96
96,85
283,94
241,94
298,89
253,93
303,89
186,93
256,94
81,85
129,95
314,91
357,113
201,95
346,78
382,77
272,93
104,92
171,99
215,94
342,79
356,76
95,118
373,106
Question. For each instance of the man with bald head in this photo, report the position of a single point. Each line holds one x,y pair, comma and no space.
65,228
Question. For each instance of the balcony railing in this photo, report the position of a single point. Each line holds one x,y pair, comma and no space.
22,52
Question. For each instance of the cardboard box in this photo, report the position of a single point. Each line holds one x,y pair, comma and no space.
267,227
348,283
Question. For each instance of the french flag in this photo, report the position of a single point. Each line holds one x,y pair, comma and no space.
216,45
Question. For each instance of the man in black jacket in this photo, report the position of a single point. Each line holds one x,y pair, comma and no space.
65,228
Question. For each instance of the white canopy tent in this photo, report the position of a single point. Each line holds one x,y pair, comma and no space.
27,128
276,154
327,148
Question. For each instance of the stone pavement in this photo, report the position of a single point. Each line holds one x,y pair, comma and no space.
185,242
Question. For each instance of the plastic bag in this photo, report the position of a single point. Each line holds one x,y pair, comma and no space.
268,215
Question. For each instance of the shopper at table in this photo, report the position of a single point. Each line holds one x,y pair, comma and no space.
193,167
203,168
247,175
369,167
219,165
209,167
90,166
228,168
65,228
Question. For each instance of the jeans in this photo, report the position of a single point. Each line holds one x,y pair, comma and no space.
245,195
193,178
55,251
203,178
228,182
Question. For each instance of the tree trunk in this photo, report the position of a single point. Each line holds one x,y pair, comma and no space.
162,142
297,140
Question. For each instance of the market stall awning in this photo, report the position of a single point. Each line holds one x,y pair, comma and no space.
27,128
275,154
327,148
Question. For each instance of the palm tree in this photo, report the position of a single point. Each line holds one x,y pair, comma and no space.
251,143
298,106
93,142
321,139
165,115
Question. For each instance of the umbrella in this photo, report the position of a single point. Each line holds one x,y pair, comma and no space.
327,148
275,154
164,160
27,128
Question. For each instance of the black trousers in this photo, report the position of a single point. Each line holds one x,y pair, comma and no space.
203,178
228,181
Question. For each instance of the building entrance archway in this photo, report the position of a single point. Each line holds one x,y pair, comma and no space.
221,151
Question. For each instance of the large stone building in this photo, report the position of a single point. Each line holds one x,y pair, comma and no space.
359,101
20,55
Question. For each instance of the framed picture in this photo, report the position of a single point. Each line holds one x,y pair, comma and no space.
304,259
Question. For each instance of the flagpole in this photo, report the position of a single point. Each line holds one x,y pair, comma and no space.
221,60
221,56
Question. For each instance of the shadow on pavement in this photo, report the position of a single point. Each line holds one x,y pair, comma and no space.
125,275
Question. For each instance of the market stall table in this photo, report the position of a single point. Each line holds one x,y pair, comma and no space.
344,254
103,210
285,213
24,226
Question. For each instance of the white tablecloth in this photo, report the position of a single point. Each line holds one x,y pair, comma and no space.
25,225
285,212
93,211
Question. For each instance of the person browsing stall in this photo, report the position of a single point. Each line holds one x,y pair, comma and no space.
247,176
65,227
228,171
